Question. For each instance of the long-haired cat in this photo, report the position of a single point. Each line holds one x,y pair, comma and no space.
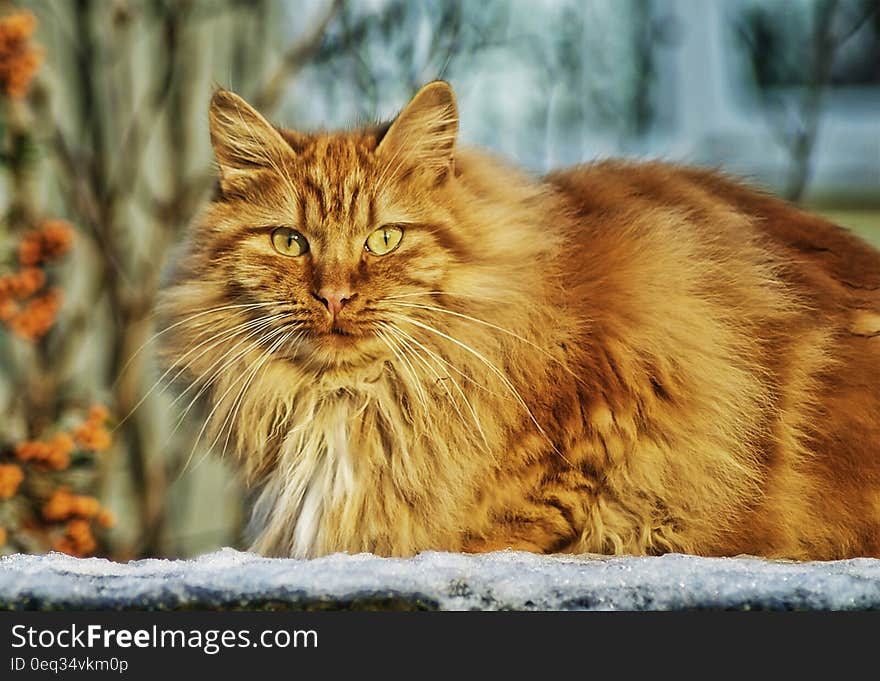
408,345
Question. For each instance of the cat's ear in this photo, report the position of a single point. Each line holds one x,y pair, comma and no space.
243,140
425,131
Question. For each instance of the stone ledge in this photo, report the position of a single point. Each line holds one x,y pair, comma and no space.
232,580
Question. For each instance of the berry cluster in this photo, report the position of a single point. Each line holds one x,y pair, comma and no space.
25,306
64,505
34,513
78,512
92,434
24,283
47,243
67,519
32,320
53,454
19,59
78,540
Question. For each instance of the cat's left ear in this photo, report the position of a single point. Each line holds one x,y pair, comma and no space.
243,140
424,133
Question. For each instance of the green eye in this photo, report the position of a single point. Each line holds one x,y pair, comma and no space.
384,240
288,241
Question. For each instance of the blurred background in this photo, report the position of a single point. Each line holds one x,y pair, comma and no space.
105,158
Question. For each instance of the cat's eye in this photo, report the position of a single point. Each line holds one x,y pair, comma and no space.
384,240
288,241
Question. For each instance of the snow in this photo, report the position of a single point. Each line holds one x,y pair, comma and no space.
229,579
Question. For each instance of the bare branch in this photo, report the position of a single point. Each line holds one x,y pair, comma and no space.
296,57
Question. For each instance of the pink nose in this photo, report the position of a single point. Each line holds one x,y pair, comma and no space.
334,300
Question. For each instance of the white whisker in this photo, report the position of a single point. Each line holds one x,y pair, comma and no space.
486,362
196,315
232,412
217,338
440,359
240,398
231,357
417,384
476,320
219,400
252,332
391,329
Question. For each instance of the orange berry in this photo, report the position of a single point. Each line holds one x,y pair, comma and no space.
37,316
77,528
10,478
30,280
83,432
8,309
55,453
3,536
81,533
59,506
29,250
58,460
16,286
63,442
105,518
32,449
93,437
101,440
18,25
18,77
56,237
86,507
98,412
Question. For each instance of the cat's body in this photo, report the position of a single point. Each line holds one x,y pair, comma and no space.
621,358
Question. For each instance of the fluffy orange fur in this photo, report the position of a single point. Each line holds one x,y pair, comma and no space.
616,358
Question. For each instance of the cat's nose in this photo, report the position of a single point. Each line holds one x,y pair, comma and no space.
334,299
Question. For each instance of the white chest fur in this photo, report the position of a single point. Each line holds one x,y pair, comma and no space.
315,473
359,457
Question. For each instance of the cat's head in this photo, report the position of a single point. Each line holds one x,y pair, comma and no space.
358,248
316,232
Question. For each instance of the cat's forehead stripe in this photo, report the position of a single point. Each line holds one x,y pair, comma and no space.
352,206
336,187
335,179
336,200
316,192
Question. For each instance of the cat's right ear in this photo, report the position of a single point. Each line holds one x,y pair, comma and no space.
425,131
243,141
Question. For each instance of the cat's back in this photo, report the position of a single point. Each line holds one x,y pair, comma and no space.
668,260
704,224
830,257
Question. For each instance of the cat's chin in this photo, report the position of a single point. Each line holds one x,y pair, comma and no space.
340,347
339,340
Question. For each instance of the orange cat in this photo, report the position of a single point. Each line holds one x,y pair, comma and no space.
411,346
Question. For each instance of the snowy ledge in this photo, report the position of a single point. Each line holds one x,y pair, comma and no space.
232,580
